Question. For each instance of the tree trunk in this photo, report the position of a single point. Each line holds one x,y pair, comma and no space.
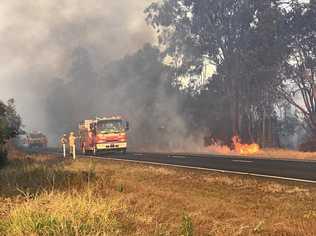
250,127
269,133
263,138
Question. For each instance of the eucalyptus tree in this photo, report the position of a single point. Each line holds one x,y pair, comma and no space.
243,39
299,71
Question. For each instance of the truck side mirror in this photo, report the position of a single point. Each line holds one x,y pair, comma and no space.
127,126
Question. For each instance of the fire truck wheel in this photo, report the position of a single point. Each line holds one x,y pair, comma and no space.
124,151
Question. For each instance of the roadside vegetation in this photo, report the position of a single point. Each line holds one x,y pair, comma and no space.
270,153
10,123
286,154
43,195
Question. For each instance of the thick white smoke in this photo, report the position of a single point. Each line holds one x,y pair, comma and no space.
38,37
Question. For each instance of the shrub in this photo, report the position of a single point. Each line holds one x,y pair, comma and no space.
186,226
3,156
66,214
34,177
10,123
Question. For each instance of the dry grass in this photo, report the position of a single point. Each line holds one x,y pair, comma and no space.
287,154
271,153
48,197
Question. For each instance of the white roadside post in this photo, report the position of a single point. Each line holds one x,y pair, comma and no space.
74,152
64,150
63,142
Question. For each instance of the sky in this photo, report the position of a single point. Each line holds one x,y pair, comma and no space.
37,38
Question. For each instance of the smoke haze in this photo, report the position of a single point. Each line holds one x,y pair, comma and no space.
38,39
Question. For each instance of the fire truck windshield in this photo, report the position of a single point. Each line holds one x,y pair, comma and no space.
36,136
110,126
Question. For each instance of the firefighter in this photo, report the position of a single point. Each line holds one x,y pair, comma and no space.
72,144
63,142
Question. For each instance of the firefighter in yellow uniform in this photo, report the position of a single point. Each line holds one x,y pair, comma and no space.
72,144
63,142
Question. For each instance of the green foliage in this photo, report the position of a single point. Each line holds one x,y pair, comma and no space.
10,123
299,69
248,42
186,226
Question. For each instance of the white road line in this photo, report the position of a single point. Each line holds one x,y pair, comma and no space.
178,156
207,169
242,161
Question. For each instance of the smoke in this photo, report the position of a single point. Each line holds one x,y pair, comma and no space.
137,87
68,60
38,39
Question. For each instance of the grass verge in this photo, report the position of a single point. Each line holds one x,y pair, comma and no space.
41,195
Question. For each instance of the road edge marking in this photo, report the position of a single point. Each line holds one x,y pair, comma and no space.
204,169
207,169
242,161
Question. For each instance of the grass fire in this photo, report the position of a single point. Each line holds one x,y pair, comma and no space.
237,147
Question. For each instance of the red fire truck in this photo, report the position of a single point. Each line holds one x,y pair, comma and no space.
103,134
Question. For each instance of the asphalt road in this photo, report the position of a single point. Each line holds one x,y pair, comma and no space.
290,169
284,169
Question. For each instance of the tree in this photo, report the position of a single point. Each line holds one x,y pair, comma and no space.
299,71
10,123
243,39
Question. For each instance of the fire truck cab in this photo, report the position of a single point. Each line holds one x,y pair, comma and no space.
103,134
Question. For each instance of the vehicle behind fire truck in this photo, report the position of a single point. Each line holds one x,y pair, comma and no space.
103,134
36,139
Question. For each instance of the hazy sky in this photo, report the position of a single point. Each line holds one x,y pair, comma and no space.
37,37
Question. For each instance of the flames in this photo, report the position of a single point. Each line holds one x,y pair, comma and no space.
245,149
237,147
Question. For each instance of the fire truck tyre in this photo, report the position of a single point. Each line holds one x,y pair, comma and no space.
124,151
